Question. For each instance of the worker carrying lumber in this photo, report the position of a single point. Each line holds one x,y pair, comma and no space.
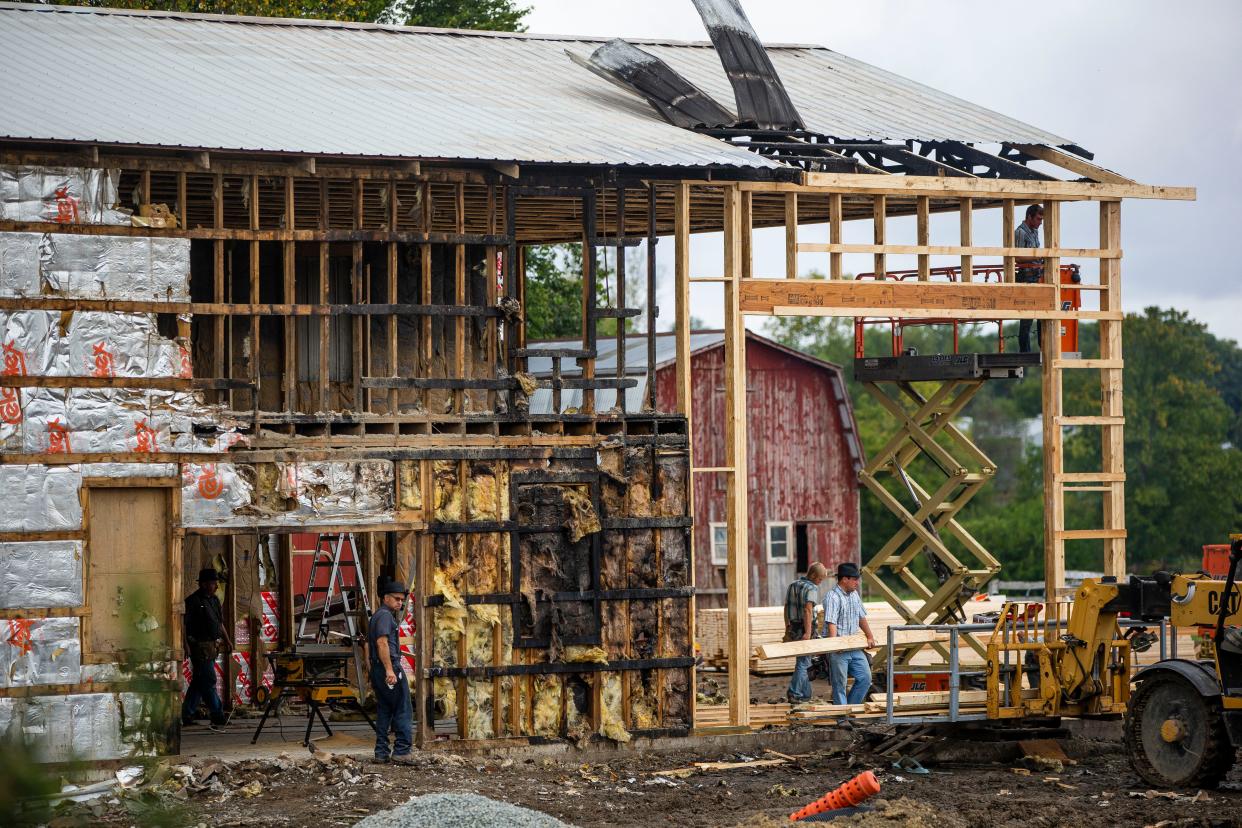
1029,271
204,632
382,659
844,614
800,600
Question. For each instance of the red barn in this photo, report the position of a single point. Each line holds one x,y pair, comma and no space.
803,447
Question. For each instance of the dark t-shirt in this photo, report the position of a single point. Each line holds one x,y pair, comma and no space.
202,617
384,625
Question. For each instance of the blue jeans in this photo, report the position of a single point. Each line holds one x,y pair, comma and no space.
850,663
392,712
202,688
800,684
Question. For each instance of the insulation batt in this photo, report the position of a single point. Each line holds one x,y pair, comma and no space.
39,498
40,574
64,728
64,195
212,494
89,344
94,267
40,651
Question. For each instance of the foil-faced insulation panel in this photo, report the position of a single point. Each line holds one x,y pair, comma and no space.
62,195
40,651
94,267
40,574
40,498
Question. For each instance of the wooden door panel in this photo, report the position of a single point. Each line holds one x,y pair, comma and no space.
127,581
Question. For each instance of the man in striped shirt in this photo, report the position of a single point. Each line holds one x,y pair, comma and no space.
844,614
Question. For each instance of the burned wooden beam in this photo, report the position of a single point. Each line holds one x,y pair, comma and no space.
680,102
757,90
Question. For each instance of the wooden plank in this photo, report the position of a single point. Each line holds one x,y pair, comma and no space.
978,187
791,235
460,362
879,215
942,298
681,258
325,400
1073,163
857,641
966,237
127,570
923,236
1052,391
1112,440
289,295
1102,420
958,250
1091,534
738,570
1007,239
834,235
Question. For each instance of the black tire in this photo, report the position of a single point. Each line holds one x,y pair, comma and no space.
1201,759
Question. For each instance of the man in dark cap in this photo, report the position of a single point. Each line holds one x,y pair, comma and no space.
392,692
204,633
844,614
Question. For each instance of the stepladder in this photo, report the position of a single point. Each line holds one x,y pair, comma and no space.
336,612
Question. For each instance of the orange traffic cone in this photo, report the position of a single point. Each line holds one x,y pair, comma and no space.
858,789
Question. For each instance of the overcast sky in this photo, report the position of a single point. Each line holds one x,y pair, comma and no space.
1151,87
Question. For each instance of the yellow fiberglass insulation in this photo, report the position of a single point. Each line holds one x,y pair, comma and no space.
577,654
480,646
643,705
444,653
483,495
582,520
611,720
409,484
447,492
547,705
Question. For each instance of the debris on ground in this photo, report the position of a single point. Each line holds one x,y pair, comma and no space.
458,810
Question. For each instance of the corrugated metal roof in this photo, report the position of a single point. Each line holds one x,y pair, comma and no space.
212,82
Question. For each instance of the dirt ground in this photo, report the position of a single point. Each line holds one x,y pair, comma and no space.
301,789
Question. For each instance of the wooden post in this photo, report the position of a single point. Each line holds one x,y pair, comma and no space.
289,296
879,210
834,234
791,236
924,236
1054,459
737,571
1007,228
681,277
1112,435
967,225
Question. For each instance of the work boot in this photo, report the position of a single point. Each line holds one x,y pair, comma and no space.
403,759
381,760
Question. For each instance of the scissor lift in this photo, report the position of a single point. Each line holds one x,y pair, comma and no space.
925,416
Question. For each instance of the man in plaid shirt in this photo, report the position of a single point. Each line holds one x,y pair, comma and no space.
844,614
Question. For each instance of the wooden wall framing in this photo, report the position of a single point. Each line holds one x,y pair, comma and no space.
835,198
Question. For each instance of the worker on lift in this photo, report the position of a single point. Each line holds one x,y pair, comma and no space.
1030,271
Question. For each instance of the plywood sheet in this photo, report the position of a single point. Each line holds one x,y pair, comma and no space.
127,579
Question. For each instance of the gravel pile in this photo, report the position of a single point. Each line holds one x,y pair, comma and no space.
458,810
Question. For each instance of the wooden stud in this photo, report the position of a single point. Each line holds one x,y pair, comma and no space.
924,231
325,275
879,209
966,206
460,364
182,211
1054,459
1112,436
1007,239
682,312
748,222
791,235
737,571
834,234
289,295
255,372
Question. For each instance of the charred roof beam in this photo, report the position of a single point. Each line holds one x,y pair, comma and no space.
969,159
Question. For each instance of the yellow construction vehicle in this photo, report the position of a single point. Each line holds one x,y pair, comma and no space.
1183,718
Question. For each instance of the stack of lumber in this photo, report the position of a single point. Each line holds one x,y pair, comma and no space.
761,715
767,626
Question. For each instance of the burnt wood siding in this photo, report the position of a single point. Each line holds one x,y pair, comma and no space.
799,463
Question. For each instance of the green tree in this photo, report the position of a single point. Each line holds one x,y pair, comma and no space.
492,15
